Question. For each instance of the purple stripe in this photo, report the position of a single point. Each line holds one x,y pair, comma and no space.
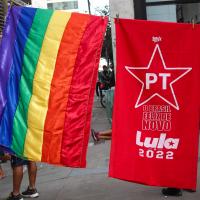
6,51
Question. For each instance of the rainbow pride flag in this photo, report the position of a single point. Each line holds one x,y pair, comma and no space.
48,70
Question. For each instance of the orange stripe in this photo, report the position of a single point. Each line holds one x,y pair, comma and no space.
78,110
60,86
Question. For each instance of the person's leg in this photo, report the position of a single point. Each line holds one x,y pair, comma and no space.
105,135
17,179
17,168
31,191
32,172
2,174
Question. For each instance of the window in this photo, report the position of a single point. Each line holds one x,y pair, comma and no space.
67,5
157,11
168,10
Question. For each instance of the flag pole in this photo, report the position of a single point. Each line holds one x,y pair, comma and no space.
88,1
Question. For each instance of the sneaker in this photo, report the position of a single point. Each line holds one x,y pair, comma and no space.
30,193
12,197
171,192
189,190
94,136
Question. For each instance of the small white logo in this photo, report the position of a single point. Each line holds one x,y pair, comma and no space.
156,39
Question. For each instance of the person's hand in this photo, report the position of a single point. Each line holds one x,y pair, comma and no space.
6,157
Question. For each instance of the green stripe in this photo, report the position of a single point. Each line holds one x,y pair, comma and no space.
31,56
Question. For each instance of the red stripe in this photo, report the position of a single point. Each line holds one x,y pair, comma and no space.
79,107
60,86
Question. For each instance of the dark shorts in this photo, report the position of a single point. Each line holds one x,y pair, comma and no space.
1,154
15,162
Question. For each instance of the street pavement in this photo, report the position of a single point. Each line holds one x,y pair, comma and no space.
92,183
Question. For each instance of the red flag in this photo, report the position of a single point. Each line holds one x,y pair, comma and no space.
157,104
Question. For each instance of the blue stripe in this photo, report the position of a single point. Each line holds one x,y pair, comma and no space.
23,28
6,51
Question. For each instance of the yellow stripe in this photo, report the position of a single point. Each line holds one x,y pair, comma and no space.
42,83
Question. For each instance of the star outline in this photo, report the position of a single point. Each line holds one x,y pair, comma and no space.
157,48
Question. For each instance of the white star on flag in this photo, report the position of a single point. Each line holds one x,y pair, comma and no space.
146,94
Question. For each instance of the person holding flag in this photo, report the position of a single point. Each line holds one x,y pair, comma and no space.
17,167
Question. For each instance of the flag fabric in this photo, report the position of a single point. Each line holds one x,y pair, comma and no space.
157,104
48,70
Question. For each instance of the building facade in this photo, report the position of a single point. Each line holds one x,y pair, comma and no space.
69,5
158,10
4,7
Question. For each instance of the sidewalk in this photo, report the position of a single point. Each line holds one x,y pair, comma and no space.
92,183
